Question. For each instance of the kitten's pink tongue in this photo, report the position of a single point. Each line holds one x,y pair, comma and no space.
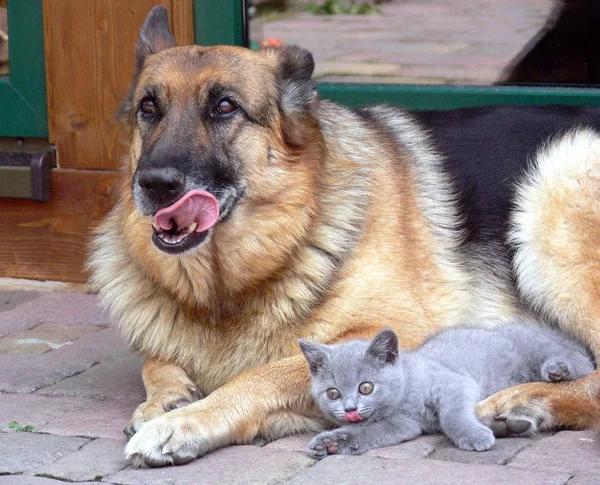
195,206
352,417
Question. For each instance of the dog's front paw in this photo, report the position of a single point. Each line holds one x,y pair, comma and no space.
171,439
516,411
480,439
331,443
161,402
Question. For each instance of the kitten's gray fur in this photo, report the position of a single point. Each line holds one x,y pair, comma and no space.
434,388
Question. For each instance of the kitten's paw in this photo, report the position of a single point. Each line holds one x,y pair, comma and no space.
554,371
329,443
480,439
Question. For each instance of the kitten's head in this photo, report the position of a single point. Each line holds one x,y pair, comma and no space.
355,381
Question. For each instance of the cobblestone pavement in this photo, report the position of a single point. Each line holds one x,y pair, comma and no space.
414,41
64,370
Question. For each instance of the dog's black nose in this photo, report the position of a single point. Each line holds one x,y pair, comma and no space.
162,185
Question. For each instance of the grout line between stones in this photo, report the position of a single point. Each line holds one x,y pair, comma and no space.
53,477
526,447
75,374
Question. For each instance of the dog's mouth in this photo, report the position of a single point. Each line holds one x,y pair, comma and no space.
177,240
185,224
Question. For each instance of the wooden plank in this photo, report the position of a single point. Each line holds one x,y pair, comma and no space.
48,241
182,20
89,63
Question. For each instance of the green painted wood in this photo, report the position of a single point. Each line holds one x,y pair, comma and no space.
219,22
23,109
447,97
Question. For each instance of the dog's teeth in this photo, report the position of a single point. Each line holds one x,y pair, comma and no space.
193,227
155,226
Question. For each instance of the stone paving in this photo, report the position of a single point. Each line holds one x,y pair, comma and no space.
64,370
413,41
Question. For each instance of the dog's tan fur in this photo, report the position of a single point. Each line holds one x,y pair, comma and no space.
342,231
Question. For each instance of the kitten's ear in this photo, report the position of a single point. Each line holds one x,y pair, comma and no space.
384,347
316,355
155,35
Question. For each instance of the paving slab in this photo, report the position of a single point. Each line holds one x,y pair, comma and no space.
100,419
68,416
236,465
116,379
504,450
422,38
11,299
570,451
585,479
37,410
422,447
67,308
355,68
26,480
44,338
24,451
93,461
297,442
69,360
356,470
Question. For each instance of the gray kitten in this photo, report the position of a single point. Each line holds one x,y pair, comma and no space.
383,396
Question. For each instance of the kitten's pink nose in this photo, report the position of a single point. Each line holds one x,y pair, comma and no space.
352,417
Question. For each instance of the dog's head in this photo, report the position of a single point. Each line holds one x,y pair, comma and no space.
213,129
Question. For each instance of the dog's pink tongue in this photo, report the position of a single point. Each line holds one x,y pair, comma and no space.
195,206
352,417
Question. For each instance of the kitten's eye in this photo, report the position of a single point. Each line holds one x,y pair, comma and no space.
225,106
149,106
333,393
365,388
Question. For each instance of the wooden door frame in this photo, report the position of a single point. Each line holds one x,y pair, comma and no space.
23,91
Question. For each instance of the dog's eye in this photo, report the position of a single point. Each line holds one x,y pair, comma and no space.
333,393
149,106
225,106
365,388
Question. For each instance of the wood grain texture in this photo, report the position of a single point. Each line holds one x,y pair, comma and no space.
89,64
182,19
48,241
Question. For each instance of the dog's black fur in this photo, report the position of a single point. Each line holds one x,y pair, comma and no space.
498,142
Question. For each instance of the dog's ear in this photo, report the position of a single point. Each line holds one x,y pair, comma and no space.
155,35
298,97
297,89
384,347
316,355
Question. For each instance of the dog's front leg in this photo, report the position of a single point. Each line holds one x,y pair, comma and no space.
168,387
233,414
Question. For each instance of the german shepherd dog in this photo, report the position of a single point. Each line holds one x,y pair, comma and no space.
254,213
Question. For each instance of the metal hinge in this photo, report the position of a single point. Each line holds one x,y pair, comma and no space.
26,175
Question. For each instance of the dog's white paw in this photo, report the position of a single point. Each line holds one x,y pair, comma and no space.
171,439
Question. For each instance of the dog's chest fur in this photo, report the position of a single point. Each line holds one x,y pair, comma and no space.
372,256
